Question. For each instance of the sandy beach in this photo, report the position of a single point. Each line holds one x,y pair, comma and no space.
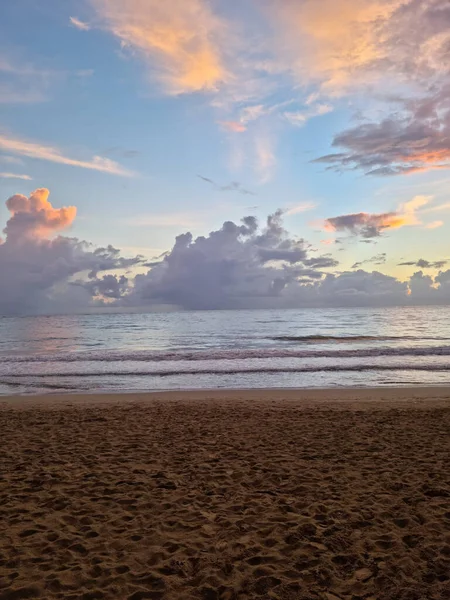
328,494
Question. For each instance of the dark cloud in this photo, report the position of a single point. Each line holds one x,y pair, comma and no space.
378,259
235,266
108,286
424,264
414,50
359,288
364,224
234,186
400,144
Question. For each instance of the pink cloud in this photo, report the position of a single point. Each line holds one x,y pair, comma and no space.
234,126
35,217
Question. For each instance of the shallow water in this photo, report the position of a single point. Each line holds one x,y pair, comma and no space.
213,349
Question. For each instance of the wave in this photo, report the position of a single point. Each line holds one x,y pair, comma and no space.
229,371
347,338
225,354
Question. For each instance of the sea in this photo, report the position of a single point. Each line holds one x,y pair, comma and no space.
308,348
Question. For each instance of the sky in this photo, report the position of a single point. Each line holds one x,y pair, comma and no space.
210,154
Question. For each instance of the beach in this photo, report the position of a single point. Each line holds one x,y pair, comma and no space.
312,494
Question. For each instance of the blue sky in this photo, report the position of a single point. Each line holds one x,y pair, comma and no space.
248,92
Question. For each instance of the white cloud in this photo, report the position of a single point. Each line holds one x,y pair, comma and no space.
83,26
14,176
39,151
300,117
434,224
300,208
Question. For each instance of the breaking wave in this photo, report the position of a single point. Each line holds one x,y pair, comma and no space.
223,354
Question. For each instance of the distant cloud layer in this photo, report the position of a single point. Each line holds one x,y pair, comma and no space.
237,266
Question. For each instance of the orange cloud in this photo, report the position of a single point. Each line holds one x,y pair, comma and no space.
234,126
316,36
370,225
35,216
179,39
434,224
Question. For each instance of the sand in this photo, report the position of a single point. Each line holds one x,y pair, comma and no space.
223,495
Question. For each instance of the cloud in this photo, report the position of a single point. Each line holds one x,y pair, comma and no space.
14,176
395,146
23,83
438,208
365,224
299,118
314,41
234,126
424,264
235,266
413,59
239,265
79,24
253,112
265,158
280,52
84,73
37,265
179,40
11,160
168,220
13,94
391,41
371,225
434,224
234,186
35,217
300,208
39,151
109,286
378,259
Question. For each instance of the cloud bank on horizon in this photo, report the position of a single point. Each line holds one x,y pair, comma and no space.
237,266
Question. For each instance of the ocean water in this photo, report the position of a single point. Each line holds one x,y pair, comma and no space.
225,349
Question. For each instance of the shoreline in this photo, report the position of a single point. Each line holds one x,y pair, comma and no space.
327,395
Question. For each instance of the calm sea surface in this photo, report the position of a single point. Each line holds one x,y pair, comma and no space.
224,349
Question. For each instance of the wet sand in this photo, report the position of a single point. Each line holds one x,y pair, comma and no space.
331,494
